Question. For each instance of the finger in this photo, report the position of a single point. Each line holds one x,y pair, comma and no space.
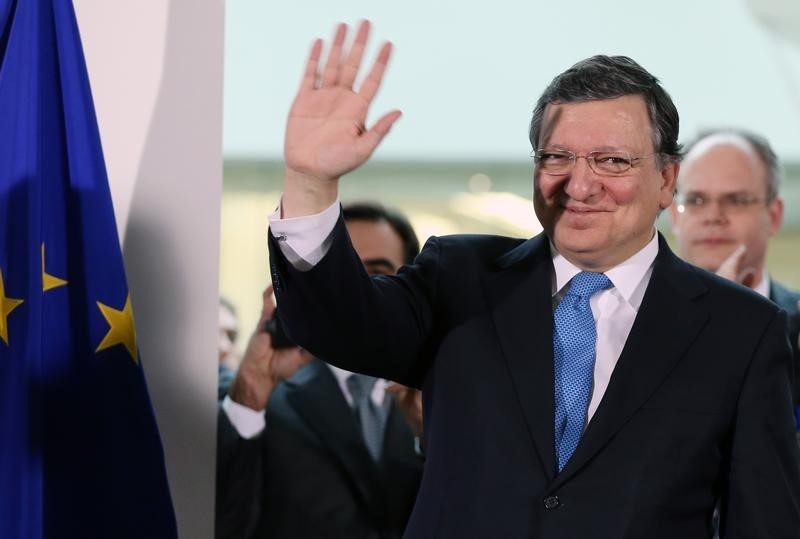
331,73
310,76
351,66
372,137
305,355
373,81
730,266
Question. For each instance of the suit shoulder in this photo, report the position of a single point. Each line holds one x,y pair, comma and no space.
729,294
786,298
486,247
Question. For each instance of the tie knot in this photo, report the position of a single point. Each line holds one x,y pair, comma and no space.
360,387
586,283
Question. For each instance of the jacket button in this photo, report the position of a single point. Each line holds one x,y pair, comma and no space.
551,502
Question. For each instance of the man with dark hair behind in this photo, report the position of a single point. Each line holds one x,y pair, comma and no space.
372,212
584,383
728,207
306,449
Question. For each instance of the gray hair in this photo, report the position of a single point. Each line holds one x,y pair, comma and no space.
609,77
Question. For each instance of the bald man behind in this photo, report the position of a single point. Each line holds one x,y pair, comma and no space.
726,211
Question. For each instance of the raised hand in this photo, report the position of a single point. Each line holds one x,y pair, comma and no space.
733,268
264,367
326,134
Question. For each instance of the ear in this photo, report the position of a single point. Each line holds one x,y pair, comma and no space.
669,178
775,210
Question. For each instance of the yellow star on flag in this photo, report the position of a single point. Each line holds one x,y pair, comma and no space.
121,328
50,282
6,306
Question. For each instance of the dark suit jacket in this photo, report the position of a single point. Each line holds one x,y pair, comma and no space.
788,300
698,407
309,474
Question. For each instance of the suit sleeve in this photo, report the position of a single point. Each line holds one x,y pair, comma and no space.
378,325
239,481
763,495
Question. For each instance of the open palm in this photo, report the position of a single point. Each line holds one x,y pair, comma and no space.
326,135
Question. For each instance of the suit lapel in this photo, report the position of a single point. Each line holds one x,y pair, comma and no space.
665,326
520,297
316,397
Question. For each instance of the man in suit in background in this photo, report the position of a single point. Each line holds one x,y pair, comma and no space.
584,383
334,454
228,359
727,209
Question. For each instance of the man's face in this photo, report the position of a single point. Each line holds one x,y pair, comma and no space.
379,247
719,171
598,221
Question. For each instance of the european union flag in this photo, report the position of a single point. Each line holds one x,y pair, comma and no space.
80,454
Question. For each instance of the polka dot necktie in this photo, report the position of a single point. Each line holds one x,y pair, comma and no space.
574,340
370,417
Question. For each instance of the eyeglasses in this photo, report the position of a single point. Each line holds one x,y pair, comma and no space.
730,203
558,162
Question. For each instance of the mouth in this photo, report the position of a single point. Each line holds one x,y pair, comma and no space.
580,210
713,242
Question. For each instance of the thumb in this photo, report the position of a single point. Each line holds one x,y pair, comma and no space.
267,307
371,138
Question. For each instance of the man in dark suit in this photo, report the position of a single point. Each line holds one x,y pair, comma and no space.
727,209
306,467
584,383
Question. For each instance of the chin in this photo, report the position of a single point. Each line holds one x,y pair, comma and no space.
578,239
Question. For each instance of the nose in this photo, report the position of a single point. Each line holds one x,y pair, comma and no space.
582,182
713,212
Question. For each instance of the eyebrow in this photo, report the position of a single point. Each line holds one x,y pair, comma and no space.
696,192
624,149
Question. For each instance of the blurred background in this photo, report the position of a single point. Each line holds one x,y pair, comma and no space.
466,79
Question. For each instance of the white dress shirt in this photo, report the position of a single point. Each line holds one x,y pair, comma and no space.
614,309
305,240
764,286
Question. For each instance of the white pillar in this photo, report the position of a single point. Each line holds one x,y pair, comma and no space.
156,69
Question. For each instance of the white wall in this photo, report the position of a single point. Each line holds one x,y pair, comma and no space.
156,69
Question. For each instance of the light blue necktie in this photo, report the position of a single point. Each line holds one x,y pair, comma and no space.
574,339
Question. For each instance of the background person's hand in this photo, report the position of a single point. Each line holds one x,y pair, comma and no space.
732,268
263,367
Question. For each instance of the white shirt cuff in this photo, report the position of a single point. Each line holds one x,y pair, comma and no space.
304,241
248,423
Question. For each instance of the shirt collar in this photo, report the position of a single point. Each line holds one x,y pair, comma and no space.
378,390
764,287
625,277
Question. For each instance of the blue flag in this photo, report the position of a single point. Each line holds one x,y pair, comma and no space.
80,454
